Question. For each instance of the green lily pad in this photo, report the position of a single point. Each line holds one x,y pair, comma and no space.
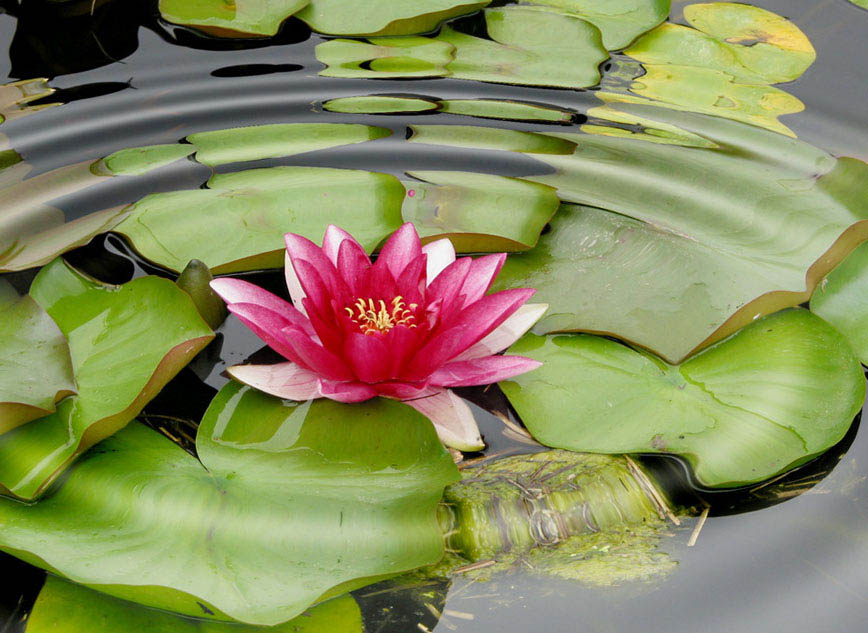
32,233
638,127
749,229
379,104
64,607
384,17
238,223
478,212
860,3
493,138
713,92
272,141
842,300
620,21
751,44
35,367
314,499
241,18
530,48
775,394
385,58
505,109
126,342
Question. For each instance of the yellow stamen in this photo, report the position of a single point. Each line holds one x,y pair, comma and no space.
375,318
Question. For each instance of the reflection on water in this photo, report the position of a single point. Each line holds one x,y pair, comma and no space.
730,196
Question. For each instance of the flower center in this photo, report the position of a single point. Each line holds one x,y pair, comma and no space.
376,318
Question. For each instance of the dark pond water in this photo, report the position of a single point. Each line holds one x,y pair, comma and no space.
790,556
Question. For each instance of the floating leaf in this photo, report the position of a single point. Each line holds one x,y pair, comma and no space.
713,92
385,58
315,498
638,127
33,233
749,43
530,48
384,17
238,224
64,607
860,3
241,18
272,141
493,138
620,21
478,212
195,280
842,300
379,104
126,342
505,109
748,229
778,392
35,367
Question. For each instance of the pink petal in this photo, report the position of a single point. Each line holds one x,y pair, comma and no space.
301,249
482,371
469,327
447,285
353,265
346,391
314,356
269,326
440,254
332,240
284,380
452,419
368,356
319,295
239,291
296,293
411,282
402,390
400,249
507,333
483,270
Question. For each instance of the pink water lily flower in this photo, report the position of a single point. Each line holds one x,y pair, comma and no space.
409,326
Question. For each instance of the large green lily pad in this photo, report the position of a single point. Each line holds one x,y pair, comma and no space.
777,393
219,147
749,228
65,607
620,21
751,44
529,47
35,367
842,300
505,109
241,18
238,223
493,138
126,343
384,17
478,212
310,499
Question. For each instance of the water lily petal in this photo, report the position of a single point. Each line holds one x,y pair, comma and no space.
507,333
482,371
469,327
447,285
403,390
482,272
411,282
400,249
296,292
353,265
452,418
318,294
368,356
332,240
300,250
347,391
440,254
239,291
314,356
284,380
269,326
